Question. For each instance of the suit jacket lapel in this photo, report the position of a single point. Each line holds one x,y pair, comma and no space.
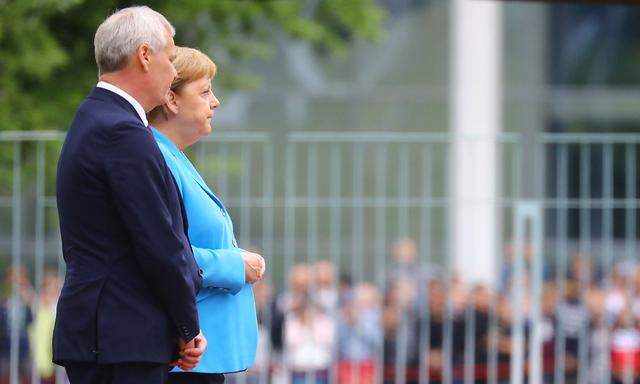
196,176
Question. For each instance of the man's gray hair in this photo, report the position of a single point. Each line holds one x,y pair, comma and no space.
120,35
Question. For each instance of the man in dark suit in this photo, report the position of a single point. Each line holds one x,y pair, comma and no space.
127,308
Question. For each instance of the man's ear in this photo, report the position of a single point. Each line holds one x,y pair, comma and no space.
171,102
143,56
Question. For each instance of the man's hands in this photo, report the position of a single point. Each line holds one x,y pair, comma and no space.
191,352
254,267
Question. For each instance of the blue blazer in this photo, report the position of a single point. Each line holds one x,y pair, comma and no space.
131,280
226,306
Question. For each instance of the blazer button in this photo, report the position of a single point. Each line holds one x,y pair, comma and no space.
200,272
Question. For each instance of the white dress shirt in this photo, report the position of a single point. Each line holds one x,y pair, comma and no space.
126,96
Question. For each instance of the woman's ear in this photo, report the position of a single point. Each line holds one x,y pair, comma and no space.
171,103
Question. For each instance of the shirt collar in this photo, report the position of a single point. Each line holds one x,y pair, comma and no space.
126,96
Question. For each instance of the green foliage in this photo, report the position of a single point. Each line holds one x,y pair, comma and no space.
46,46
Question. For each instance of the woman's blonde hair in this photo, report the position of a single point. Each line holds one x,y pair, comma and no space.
191,65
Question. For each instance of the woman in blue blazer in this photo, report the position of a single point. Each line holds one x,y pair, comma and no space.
226,307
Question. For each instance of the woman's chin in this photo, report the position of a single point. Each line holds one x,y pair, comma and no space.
207,131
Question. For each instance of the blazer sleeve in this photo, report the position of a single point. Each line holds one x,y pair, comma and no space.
141,187
222,268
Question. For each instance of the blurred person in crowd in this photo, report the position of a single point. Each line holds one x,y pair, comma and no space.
263,294
548,305
434,324
470,326
15,310
625,348
309,337
226,304
345,288
399,320
581,268
42,327
598,336
325,285
635,287
128,304
509,256
618,290
572,322
504,314
482,299
299,282
405,257
459,293
359,336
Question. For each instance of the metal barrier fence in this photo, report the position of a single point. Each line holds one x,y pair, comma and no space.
357,232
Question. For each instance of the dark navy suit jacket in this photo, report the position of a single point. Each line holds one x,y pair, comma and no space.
131,279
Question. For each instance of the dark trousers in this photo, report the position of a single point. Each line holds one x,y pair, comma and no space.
195,378
123,373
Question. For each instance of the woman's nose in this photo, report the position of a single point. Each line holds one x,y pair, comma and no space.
214,102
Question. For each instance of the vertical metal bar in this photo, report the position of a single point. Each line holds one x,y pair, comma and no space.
469,342
403,225
469,318
358,213
290,206
245,193
312,193
562,213
336,232
517,298
267,246
403,182
585,246
449,265
357,245
507,206
630,230
312,220
15,306
289,224
39,238
61,376
380,244
607,231
425,258
537,265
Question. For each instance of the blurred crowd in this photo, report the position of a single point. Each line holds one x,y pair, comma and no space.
425,323
31,316
420,322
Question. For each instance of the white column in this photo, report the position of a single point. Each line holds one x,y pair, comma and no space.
476,118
